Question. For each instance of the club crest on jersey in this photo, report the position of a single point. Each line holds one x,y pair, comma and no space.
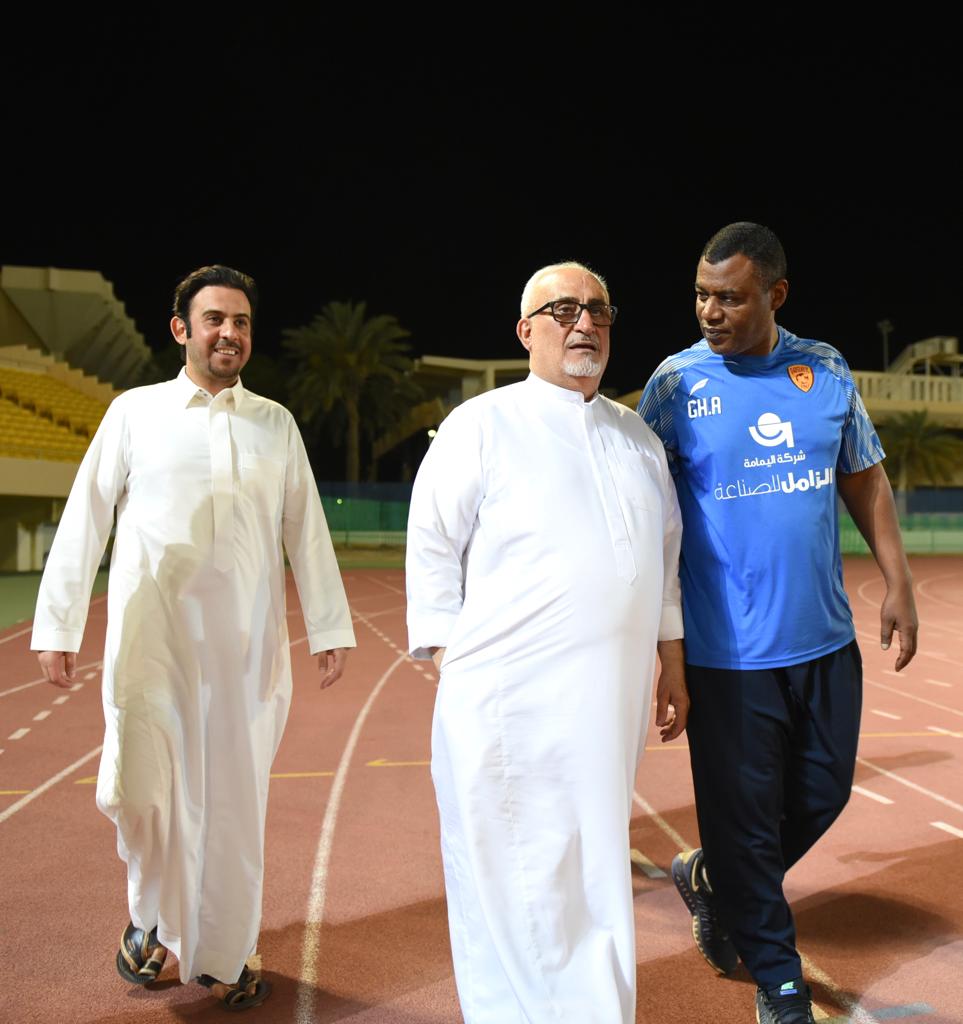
801,376
703,406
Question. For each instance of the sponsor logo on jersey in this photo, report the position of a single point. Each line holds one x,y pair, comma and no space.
703,406
801,376
770,431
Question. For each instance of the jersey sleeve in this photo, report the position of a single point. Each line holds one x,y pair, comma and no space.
655,407
860,446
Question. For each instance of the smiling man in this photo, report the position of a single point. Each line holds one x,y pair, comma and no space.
542,567
207,479
762,429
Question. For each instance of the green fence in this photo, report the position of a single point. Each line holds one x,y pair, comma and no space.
362,522
923,534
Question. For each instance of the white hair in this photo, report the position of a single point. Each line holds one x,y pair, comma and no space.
550,269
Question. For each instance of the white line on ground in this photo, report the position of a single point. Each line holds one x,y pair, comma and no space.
937,682
953,831
90,675
646,866
872,795
311,948
912,696
41,715
911,785
44,786
29,629
76,687
676,838
944,732
62,700
387,586
387,611
37,682
891,672
886,714
18,735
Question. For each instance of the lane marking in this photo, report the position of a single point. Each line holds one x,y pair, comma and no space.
88,780
872,796
890,1013
18,735
61,700
29,629
919,700
41,715
387,586
76,687
885,714
387,611
873,639
37,682
661,822
44,786
938,682
300,775
911,785
382,763
642,862
90,675
13,792
953,831
311,947
944,732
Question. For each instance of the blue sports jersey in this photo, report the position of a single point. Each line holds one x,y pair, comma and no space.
754,444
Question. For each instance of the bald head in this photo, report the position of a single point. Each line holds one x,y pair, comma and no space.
532,287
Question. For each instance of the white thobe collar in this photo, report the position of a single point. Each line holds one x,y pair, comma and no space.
549,390
187,391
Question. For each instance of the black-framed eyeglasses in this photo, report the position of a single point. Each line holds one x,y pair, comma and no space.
568,311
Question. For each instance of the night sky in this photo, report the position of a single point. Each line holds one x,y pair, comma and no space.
431,179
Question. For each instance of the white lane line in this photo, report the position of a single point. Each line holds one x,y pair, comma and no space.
18,735
41,715
911,785
891,672
676,838
387,611
872,639
646,866
44,786
76,687
387,586
885,714
944,732
90,675
311,948
872,795
919,700
29,629
62,700
921,588
937,682
958,832
38,682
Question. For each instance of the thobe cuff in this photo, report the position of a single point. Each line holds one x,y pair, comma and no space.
670,625
327,641
428,631
49,639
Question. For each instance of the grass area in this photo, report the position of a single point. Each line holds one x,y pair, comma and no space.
18,590
18,595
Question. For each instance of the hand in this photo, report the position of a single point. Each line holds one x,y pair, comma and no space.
438,656
58,667
672,703
898,612
331,665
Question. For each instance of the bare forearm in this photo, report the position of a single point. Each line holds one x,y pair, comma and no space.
869,499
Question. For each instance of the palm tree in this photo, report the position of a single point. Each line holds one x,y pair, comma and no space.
346,365
918,451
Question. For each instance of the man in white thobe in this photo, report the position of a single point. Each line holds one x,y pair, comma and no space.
207,480
543,545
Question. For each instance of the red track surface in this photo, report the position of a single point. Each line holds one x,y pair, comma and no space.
354,918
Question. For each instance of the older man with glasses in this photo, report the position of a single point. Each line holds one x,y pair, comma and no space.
543,545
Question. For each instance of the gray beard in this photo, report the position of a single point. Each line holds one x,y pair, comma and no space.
583,366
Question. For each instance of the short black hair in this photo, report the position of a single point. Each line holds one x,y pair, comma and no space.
216,274
754,241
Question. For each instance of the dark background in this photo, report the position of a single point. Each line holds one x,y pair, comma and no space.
430,176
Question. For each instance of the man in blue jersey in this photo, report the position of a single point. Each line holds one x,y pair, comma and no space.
762,430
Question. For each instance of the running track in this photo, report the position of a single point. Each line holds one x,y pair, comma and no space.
354,918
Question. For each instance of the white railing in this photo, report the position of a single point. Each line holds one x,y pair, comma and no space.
893,387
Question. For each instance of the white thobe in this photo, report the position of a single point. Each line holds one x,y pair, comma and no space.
197,672
543,545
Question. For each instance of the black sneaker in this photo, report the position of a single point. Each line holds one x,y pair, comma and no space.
709,934
788,1004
